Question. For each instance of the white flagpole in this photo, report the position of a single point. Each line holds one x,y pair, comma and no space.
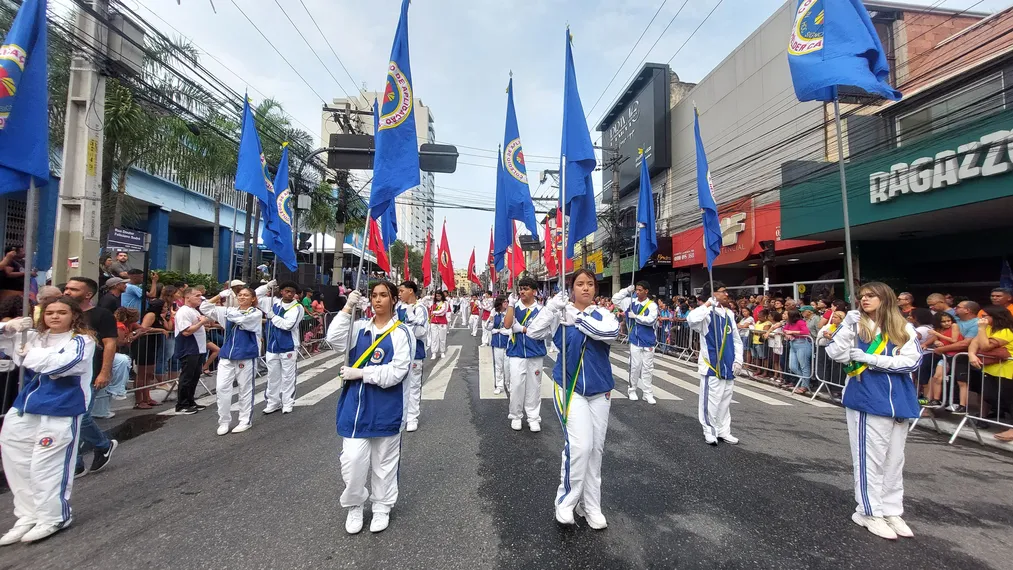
562,273
31,209
844,205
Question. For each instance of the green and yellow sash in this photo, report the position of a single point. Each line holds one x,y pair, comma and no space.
567,392
369,351
876,347
524,320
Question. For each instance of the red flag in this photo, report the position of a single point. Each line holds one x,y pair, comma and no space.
491,262
558,241
444,263
550,256
519,263
427,262
471,270
407,272
376,246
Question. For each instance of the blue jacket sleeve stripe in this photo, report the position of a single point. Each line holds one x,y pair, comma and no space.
78,357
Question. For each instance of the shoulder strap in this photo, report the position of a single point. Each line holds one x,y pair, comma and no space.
365,355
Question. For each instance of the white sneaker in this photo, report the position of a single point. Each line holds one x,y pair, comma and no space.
41,531
270,410
729,439
650,399
594,520
535,426
379,522
287,410
434,356
564,516
241,428
497,391
710,439
900,527
876,525
353,522
223,429
443,355
16,532
516,425
411,425
633,395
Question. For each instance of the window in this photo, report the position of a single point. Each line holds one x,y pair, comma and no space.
973,102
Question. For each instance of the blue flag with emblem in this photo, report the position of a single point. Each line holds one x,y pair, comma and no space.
278,216
513,196
499,258
705,195
648,242
396,164
834,44
388,221
250,175
577,161
24,100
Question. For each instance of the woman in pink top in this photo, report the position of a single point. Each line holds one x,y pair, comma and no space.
800,354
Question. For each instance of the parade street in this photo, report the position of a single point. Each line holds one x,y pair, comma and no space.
475,494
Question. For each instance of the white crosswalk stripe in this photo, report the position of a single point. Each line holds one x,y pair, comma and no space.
435,386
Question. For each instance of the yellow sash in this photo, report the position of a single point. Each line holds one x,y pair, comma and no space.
369,351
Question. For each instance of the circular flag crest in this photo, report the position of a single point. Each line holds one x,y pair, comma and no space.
807,33
285,206
377,356
12,65
445,259
513,157
397,102
267,174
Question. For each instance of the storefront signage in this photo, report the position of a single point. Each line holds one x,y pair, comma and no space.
731,226
988,156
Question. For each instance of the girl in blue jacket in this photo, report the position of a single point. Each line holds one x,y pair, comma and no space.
581,394
880,350
39,439
237,356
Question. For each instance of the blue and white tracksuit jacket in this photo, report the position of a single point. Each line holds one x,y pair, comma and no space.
885,387
587,347
58,372
495,324
242,330
716,327
375,405
522,345
640,318
417,318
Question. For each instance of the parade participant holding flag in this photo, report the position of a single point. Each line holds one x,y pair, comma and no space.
720,361
641,314
438,318
580,394
524,355
371,411
476,308
500,337
283,318
238,355
487,304
413,313
879,398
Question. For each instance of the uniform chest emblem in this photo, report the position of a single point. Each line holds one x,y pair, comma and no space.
377,357
46,442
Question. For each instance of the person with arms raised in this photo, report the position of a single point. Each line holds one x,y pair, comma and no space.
237,357
283,318
641,313
720,361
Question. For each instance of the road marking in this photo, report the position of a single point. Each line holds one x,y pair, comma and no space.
487,376
435,387
323,391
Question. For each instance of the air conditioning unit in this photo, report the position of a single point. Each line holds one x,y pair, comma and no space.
126,39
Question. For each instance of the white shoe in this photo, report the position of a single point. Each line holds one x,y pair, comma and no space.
241,428
443,355
729,439
710,439
287,410
650,399
594,520
633,395
353,522
270,410
223,429
900,527
498,391
412,426
516,425
434,356
876,525
535,427
16,532
379,522
564,516
41,531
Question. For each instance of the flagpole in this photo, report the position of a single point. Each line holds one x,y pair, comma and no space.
362,252
562,272
636,244
31,207
232,246
844,203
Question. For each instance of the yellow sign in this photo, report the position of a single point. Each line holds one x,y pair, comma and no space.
594,262
801,288
92,156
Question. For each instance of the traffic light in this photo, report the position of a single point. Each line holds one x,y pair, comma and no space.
304,241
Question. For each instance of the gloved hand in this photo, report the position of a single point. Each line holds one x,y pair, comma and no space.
503,331
737,368
226,293
569,317
512,299
558,302
272,284
632,289
859,355
851,318
351,373
712,302
517,327
354,298
18,325
269,311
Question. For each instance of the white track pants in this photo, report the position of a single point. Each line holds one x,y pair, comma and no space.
642,369
583,442
715,406
242,372
473,323
486,336
438,337
877,453
39,455
414,402
499,366
281,373
525,388
376,458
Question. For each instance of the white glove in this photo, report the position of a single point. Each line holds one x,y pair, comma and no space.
351,373
568,317
19,324
503,331
713,302
737,368
632,289
859,355
272,284
226,293
852,318
354,298
269,311
558,302
517,327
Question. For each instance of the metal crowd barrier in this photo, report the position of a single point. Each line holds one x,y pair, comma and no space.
777,358
827,372
989,397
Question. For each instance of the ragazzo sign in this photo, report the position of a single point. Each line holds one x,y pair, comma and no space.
988,156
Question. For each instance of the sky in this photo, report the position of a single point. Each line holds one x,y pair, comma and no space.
462,52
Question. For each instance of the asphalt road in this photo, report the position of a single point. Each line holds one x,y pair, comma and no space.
475,494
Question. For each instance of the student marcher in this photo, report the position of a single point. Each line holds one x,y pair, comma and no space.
641,313
524,356
486,305
237,357
191,344
476,310
371,410
500,339
580,394
719,362
413,313
879,400
438,320
283,318
38,441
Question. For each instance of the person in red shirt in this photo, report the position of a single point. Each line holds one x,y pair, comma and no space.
944,333
438,319
473,319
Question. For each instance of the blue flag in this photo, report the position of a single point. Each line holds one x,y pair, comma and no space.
645,214
577,162
498,256
388,221
24,99
833,43
278,216
250,175
396,164
513,196
705,194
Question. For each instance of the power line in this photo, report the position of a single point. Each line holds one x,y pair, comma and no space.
305,41
329,46
711,13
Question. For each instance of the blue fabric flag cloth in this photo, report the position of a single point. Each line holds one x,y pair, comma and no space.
24,99
250,175
705,195
833,44
498,256
645,215
388,222
278,217
396,163
513,196
577,161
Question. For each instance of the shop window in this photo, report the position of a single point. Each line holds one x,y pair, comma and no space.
980,99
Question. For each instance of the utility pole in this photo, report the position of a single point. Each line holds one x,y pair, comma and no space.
78,209
617,242
215,236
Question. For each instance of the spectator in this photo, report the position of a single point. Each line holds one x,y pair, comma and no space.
944,332
967,318
813,320
13,264
827,369
745,323
105,270
936,302
949,299
121,267
46,294
237,285
905,302
995,335
149,350
1000,297
775,346
191,345
921,318
967,324
112,299
664,322
759,345
801,349
761,303
132,293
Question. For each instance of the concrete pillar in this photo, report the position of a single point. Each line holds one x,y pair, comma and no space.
158,227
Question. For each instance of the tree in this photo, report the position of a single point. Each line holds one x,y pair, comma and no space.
414,260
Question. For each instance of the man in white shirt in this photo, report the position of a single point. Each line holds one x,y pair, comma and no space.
191,345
